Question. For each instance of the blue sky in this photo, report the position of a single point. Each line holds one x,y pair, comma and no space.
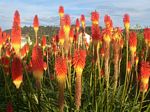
47,10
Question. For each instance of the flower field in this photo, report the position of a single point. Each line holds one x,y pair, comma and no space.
103,70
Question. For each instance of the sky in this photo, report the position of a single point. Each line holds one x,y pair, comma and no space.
47,11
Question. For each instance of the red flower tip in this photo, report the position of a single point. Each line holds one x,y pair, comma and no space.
16,33
82,19
37,62
96,35
126,21
106,35
147,36
36,23
95,17
61,11
107,21
145,74
17,17
79,60
133,42
77,24
43,42
61,36
66,21
71,35
17,75
61,68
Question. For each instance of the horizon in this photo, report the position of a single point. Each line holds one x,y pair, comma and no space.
47,11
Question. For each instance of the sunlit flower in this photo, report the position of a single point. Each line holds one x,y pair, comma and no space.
95,18
43,42
71,35
79,60
108,21
66,23
61,68
36,23
132,42
145,74
147,36
17,75
61,36
126,21
61,11
61,73
16,33
106,35
82,19
77,24
96,35
37,62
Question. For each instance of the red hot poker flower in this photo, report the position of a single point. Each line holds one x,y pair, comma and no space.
66,22
16,33
43,42
37,63
61,36
17,75
79,60
96,33
126,21
71,35
61,68
82,19
145,74
61,11
95,17
107,21
132,42
77,24
36,23
147,36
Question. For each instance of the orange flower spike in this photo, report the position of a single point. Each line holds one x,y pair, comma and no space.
61,69
43,42
95,33
132,42
37,63
61,36
145,74
129,67
82,19
77,24
147,36
71,35
95,18
79,63
107,21
61,73
67,23
126,21
106,35
36,23
79,60
16,33
17,75
61,11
